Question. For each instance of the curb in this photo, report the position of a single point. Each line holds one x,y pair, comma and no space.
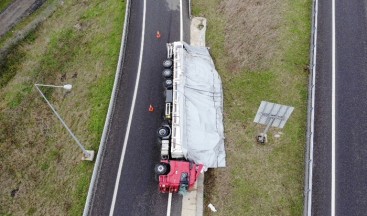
200,196
192,202
111,107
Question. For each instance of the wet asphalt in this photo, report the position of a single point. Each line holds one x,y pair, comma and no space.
138,190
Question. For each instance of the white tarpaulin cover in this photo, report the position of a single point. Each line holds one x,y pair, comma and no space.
200,98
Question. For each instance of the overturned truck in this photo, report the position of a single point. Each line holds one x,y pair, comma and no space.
191,134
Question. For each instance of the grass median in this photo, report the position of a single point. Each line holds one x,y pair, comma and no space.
41,170
261,50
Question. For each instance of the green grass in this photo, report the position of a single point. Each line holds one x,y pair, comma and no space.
9,66
260,179
78,44
4,4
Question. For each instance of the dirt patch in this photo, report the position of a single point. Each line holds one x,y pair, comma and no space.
253,32
16,12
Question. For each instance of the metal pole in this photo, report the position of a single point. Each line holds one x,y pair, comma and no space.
54,86
86,154
268,126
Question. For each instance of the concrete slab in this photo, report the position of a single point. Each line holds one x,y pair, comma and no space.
197,31
192,202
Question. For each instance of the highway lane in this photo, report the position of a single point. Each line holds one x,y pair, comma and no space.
350,110
321,191
102,197
143,152
137,189
351,104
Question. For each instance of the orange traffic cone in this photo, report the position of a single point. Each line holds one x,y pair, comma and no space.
151,108
158,35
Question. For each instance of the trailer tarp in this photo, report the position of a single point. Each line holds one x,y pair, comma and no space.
200,98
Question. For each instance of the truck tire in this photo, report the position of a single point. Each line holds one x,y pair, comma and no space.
167,73
167,63
163,132
161,169
168,84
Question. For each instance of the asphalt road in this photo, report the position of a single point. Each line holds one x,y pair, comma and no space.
350,110
138,190
321,191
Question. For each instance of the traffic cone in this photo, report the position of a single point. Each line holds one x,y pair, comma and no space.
158,35
151,108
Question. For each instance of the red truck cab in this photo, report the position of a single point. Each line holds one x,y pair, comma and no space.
177,176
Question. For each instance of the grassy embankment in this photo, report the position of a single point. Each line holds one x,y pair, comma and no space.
40,166
260,49
4,4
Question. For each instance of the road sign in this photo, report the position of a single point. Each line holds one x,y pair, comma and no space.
271,115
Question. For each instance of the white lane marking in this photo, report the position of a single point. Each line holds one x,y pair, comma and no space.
181,22
131,114
333,114
169,204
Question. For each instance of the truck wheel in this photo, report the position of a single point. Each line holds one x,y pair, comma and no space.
167,73
168,84
163,132
161,169
167,63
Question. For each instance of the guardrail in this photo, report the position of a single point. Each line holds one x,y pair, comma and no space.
311,114
111,107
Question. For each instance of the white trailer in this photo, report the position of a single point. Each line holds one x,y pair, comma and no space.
196,107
